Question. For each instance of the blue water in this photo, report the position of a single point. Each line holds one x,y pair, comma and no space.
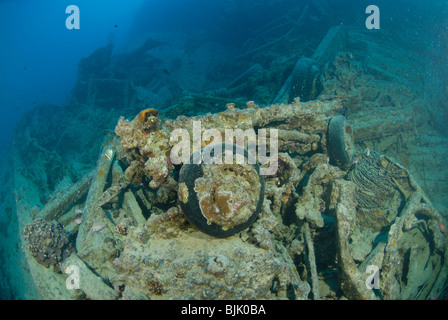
39,56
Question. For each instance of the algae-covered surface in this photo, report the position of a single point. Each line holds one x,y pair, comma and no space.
126,192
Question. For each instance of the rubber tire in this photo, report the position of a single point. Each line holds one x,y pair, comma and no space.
337,150
192,211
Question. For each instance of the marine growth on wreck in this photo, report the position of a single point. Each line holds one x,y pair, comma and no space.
312,188
178,226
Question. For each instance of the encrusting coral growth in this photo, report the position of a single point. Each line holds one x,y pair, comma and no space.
143,134
48,242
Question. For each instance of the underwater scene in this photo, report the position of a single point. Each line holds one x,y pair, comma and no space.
224,150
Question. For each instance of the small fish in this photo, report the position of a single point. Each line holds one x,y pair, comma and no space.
79,211
109,154
368,151
78,221
356,159
97,227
